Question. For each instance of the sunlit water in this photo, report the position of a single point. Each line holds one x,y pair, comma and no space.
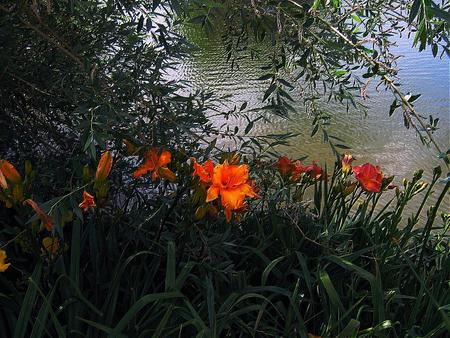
375,138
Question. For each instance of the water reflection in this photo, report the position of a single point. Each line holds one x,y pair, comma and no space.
375,138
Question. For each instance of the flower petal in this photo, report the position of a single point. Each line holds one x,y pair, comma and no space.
232,198
228,214
3,183
212,193
10,172
164,159
46,219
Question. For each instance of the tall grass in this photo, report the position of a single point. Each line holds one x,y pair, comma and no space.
332,266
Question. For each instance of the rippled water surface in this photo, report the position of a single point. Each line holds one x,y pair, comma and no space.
375,138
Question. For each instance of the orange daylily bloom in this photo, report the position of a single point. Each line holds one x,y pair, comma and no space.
285,166
3,265
3,183
10,172
231,183
88,201
157,164
46,219
51,245
346,162
204,172
104,166
369,176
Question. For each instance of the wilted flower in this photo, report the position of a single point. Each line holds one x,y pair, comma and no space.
46,219
3,265
104,166
346,162
369,176
51,245
204,172
231,183
130,147
88,201
157,164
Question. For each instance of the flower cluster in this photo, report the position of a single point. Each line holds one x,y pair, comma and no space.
228,181
226,184
295,170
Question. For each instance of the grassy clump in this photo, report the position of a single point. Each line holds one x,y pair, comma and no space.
147,261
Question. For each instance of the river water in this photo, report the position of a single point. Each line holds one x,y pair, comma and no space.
375,137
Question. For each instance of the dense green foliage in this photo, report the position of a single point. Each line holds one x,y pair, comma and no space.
79,77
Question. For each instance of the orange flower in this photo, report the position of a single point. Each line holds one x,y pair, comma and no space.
51,245
88,201
204,172
347,163
104,166
231,183
3,183
285,166
369,176
157,164
10,172
46,219
3,265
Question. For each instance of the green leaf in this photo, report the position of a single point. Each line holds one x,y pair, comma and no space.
170,266
414,10
138,305
393,107
28,303
269,268
269,91
140,24
331,291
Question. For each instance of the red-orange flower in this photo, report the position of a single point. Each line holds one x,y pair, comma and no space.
104,166
157,164
231,183
10,172
204,172
297,171
46,219
346,162
313,170
369,176
88,201
285,166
